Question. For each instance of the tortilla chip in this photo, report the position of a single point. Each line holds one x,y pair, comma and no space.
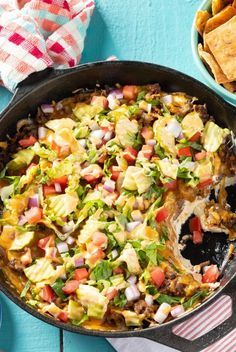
234,4
223,16
200,21
222,45
230,86
213,65
217,6
205,46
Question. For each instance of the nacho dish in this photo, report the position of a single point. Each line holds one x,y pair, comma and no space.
218,46
94,193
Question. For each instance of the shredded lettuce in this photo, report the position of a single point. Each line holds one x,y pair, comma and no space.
21,159
93,300
213,136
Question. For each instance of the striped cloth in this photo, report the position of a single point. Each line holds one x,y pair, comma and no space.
190,329
36,34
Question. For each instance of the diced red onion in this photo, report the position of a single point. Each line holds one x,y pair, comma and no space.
57,187
47,108
149,300
162,313
79,262
33,201
167,99
132,280
174,127
62,247
97,134
68,227
22,220
132,293
130,226
114,254
113,102
42,132
109,185
82,142
181,136
177,311
108,136
59,106
117,94
70,240
151,142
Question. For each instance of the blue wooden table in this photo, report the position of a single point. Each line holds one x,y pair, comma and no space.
155,31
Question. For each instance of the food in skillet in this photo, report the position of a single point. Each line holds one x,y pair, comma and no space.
94,194
217,50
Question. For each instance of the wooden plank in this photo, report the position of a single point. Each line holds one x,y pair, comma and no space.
20,332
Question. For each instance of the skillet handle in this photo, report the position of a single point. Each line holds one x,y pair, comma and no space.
165,335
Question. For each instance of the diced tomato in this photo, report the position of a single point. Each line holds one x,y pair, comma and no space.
63,181
172,185
147,133
130,155
63,317
112,293
147,151
34,215
47,294
197,237
46,242
195,137
27,142
100,239
130,92
99,254
99,101
211,274
70,287
186,151
195,224
47,190
162,215
115,172
200,155
205,183
158,276
118,271
81,274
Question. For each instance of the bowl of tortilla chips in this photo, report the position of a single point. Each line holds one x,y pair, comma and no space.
214,45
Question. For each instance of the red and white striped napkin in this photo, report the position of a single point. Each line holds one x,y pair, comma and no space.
36,34
191,329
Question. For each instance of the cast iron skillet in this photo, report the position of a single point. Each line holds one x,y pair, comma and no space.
55,85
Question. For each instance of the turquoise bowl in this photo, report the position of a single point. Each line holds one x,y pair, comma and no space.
195,38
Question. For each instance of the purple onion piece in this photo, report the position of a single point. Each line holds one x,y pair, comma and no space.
79,262
33,201
47,108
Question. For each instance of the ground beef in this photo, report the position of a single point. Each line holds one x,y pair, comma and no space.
115,319
141,307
